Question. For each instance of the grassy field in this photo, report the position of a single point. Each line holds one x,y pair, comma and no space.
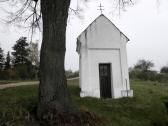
149,107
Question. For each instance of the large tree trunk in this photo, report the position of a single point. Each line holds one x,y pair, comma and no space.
54,96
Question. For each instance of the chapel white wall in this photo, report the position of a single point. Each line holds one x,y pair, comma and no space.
102,42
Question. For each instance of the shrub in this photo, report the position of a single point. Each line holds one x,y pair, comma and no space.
9,74
71,74
148,75
162,77
164,70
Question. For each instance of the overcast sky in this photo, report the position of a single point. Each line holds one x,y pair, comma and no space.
145,24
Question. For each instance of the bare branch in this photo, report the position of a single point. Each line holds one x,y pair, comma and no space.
29,13
75,11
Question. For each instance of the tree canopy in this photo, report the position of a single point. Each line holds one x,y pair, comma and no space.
144,65
20,53
1,58
164,70
8,61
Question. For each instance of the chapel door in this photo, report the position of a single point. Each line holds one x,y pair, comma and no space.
105,80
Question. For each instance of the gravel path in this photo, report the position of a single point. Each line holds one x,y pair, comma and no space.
3,86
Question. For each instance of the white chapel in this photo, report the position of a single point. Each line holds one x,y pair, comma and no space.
103,66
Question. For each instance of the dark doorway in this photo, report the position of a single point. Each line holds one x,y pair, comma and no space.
105,80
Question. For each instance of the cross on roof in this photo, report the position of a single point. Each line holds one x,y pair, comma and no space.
101,8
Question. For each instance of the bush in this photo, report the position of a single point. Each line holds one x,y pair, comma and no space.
148,75
9,74
164,70
162,77
137,74
20,72
70,74
27,71
151,75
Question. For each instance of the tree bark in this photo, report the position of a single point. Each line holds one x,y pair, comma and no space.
54,96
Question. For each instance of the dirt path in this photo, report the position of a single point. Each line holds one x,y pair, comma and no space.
3,86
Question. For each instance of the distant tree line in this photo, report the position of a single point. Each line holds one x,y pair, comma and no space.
22,63
142,71
71,74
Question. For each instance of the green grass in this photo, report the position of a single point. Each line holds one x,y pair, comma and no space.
147,108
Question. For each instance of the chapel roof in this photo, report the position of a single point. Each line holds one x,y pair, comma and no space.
102,15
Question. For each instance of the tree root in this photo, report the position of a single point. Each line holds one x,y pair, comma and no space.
86,118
